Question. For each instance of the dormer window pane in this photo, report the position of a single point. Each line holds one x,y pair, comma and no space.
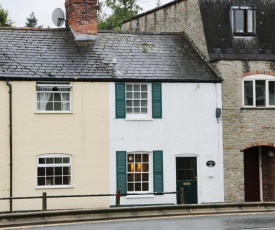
249,21
239,16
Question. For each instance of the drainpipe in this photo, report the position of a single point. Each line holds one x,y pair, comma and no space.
10,116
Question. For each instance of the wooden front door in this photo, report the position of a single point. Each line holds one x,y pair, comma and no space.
187,178
251,174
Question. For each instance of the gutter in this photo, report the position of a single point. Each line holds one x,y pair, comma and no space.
10,125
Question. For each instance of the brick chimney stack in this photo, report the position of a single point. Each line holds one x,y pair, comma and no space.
81,16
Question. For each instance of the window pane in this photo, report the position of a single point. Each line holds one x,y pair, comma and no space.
58,180
136,103
128,87
137,157
136,110
41,171
58,171
136,87
66,170
66,180
138,167
49,160
130,157
129,110
260,93
41,161
144,103
136,95
130,177
248,93
49,171
129,95
130,167
137,186
143,110
58,160
57,106
145,186
143,87
145,158
49,106
144,95
239,21
130,187
138,177
249,21
145,167
129,103
271,86
49,181
41,181
66,160
145,177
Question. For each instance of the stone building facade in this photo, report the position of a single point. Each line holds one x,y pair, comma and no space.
237,38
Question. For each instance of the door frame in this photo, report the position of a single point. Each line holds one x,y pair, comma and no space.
198,174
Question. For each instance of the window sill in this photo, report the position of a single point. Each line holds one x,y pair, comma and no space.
257,108
138,119
139,196
54,187
53,112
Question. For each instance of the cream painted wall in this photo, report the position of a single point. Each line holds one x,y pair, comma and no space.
84,134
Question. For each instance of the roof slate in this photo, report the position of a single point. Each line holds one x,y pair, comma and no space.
223,45
53,54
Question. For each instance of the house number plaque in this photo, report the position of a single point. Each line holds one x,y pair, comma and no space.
210,163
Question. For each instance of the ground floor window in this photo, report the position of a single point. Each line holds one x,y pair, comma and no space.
137,172
54,170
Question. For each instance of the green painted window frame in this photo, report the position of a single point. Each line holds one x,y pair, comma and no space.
156,100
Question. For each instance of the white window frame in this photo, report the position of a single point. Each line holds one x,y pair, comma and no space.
45,156
254,78
150,189
58,85
140,116
249,18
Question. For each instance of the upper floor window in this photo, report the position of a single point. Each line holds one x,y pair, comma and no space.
54,170
138,100
54,97
259,91
243,20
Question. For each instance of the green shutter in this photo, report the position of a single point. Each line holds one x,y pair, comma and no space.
121,171
158,170
156,100
120,100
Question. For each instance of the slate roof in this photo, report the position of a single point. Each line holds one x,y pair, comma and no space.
220,42
53,54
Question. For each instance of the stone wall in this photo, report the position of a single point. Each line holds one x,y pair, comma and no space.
178,16
241,127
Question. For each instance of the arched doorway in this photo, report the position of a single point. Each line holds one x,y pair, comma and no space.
259,173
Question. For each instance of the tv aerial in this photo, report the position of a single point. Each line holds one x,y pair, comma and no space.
58,17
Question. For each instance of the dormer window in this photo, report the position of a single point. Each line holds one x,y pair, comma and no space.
243,20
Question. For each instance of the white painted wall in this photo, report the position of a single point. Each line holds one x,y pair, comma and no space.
188,128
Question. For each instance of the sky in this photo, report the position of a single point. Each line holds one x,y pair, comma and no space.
19,10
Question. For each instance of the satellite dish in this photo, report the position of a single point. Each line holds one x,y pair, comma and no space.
58,17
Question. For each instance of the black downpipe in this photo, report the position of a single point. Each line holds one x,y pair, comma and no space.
10,115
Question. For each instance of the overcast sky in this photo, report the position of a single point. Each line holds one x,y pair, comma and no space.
19,10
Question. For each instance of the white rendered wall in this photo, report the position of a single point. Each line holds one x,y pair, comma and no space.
188,128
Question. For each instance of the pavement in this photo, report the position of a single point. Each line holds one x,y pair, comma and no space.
81,215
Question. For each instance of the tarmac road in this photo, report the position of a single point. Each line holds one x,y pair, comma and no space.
221,222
